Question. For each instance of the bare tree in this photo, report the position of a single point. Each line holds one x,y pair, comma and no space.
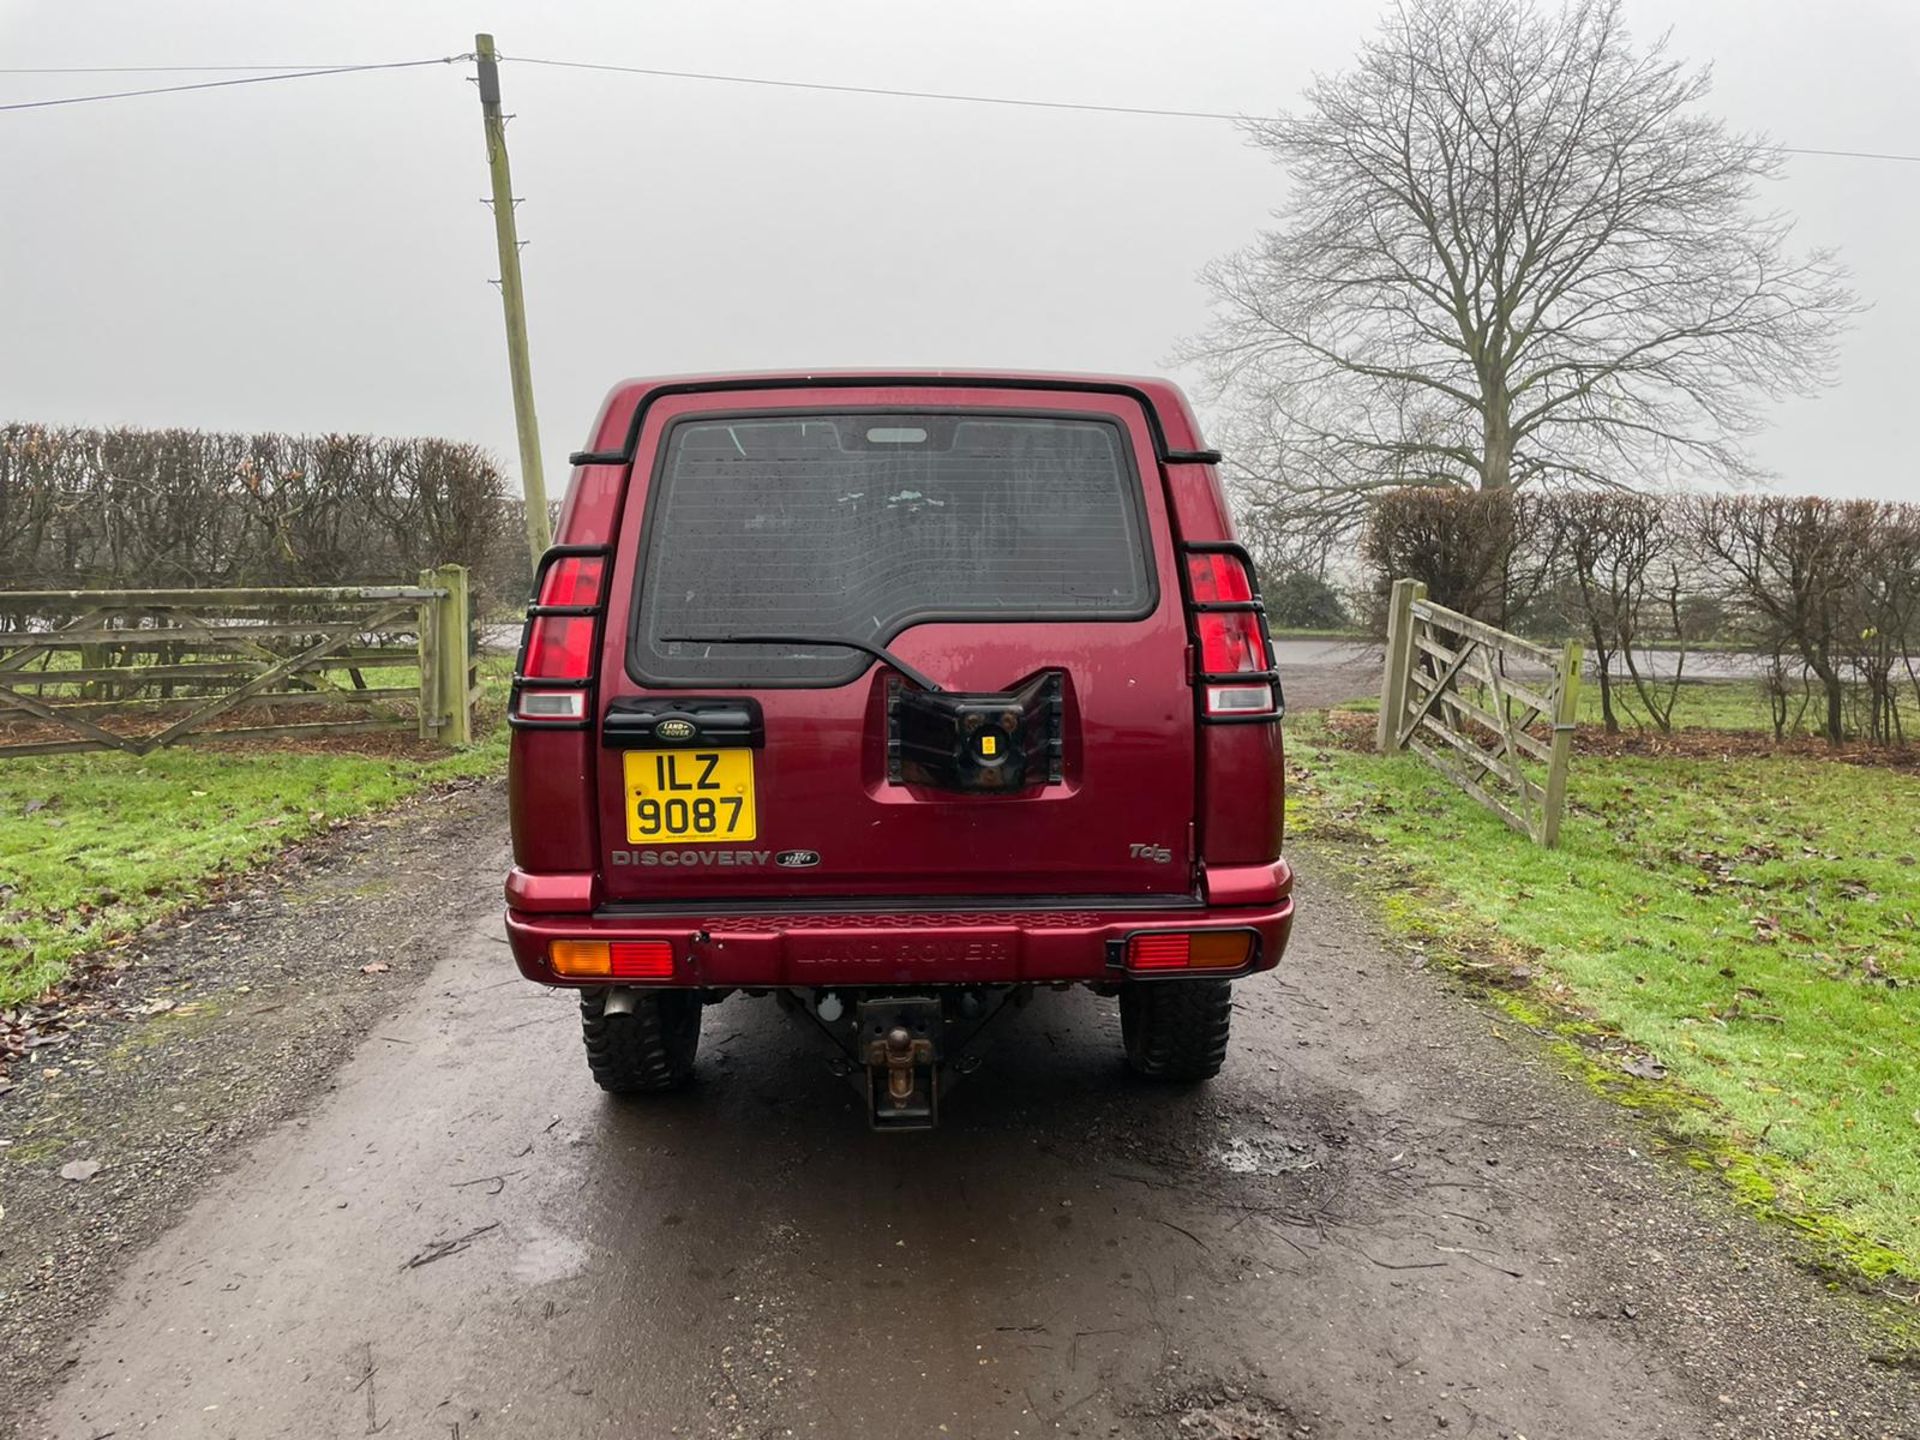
1623,557
1888,634
1797,568
1516,251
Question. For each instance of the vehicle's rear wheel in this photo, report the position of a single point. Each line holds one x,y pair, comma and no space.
647,1048
1176,1029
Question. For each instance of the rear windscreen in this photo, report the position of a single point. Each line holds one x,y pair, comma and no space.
858,525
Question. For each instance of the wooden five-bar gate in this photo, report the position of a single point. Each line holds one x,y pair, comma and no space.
135,670
1469,699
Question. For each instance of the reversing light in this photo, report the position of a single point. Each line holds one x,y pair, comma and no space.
1239,699
552,705
1190,950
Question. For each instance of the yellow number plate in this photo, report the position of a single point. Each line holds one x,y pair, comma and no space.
676,796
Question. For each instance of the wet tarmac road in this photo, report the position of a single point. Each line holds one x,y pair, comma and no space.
1385,1219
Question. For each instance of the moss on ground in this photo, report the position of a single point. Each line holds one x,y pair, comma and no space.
1747,922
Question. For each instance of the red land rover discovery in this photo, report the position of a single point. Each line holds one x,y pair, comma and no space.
895,696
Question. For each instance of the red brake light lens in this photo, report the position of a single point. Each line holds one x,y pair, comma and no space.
1190,950
1213,576
1157,952
573,580
559,647
1230,642
643,959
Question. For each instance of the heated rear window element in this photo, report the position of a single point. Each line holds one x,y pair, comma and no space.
859,525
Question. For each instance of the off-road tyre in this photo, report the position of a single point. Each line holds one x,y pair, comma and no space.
1176,1029
646,1050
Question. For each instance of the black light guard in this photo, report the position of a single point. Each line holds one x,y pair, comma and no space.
997,743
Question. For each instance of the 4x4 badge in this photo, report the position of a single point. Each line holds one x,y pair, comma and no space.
796,859
674,730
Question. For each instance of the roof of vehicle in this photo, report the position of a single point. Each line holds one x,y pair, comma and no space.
1167,407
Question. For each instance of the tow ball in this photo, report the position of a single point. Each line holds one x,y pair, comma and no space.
897,1043
901,1051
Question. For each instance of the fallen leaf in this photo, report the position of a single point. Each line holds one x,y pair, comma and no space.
79,1170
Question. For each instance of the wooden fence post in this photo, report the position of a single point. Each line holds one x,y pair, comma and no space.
1393,691
428,630
452,695
1566,706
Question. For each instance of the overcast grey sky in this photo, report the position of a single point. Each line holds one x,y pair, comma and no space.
312,255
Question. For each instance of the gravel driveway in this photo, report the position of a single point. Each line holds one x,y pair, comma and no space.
1388,1218
338,1202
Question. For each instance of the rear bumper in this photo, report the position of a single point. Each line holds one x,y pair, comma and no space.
893,948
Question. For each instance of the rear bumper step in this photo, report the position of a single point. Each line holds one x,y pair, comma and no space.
891,948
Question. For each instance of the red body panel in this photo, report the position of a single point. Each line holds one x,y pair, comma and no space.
1140,769
822,782
918,947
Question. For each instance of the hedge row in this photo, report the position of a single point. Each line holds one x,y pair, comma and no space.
1824,593
127,509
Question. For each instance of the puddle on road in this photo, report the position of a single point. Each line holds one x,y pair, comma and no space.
547,1256
1264,1155
1219,1411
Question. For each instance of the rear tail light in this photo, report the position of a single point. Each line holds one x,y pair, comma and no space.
559,647
1237,678
612,959
643,959
1218,575
573,580
561,642
1190,950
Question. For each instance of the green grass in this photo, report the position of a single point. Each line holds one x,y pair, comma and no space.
1308,632
94,846
1750,922
1700,705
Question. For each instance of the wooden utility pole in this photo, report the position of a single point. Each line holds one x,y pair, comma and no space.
513,299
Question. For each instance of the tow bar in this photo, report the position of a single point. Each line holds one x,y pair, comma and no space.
897,1041
901,1051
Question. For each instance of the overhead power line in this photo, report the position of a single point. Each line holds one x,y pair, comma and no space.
221,84
709,77
966,99
879,90
1848,154
155,69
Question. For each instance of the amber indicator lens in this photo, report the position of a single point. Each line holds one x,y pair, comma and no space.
580,957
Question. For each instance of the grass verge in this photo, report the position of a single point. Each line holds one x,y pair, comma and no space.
1745,923
95,846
